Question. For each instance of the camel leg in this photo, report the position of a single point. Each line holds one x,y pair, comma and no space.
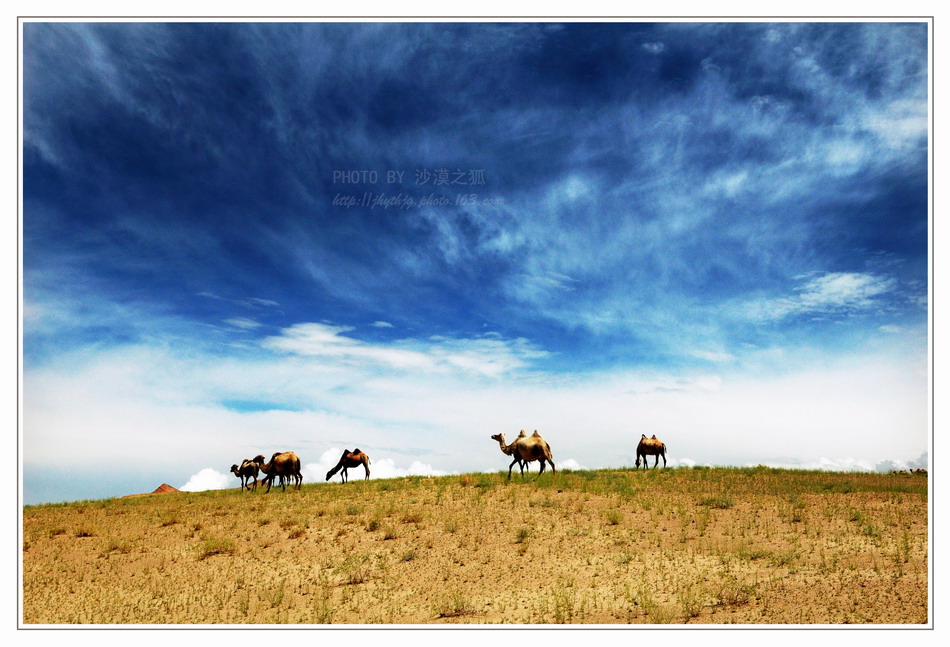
366,466
553,470
664,459
542,468
512,465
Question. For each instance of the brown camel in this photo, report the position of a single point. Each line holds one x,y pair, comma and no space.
282,464
350,459
650,447
508,450
526,449
246,472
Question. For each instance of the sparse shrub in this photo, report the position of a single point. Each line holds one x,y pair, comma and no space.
372,525
215,546
690,601
409,556
870,530
784,558
567,608
485,481
751,552
353,510
390,533
115,546
734,593
454,605
614,517
720,502
84,532
355,569
296,533
523,535
412,517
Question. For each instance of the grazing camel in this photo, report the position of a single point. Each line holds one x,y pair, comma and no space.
526,449
282,464
350,459
650,447
246,472
921,472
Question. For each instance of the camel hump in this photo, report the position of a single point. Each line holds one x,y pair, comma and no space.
535,434
653,436
643,436
356,451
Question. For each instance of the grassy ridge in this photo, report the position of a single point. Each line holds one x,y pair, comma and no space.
715,545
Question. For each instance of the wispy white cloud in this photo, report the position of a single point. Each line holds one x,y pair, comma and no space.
382,324
714,356
488,355
835,292
247,302
243,323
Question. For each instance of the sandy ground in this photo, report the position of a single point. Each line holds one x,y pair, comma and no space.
681,546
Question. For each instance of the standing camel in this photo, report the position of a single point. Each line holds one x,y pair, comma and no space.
350,459
508,450
246,472
282,464
526,449
650,447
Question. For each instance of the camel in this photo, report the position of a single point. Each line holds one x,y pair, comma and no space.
509,450
526,449
350,459
282,464
246,472
921,472
650,447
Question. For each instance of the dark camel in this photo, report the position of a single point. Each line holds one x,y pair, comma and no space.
246,472
650,447
282,464
350,459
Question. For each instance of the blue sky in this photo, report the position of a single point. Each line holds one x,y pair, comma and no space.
714,232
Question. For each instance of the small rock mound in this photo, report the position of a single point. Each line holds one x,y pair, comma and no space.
164,488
